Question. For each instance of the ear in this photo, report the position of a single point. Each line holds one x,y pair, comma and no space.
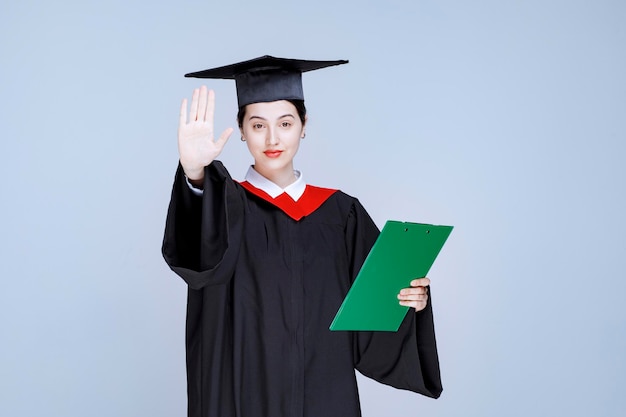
303,134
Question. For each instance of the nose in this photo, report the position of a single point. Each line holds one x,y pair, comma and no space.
272,137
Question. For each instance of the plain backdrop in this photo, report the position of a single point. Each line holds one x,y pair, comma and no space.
506,119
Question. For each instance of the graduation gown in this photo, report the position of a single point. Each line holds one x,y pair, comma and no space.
264,284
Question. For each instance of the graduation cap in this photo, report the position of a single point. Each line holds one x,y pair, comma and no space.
266,78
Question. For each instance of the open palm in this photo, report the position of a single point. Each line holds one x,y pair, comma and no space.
196,144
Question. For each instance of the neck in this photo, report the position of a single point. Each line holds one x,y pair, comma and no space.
282,178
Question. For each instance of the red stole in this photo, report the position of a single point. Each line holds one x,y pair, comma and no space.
310,201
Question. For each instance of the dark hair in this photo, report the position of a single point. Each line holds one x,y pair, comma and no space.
298,104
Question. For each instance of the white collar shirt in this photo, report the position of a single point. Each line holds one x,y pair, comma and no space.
294,190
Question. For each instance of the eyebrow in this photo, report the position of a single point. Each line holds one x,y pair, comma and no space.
263,118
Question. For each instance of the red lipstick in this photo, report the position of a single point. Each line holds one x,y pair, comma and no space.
273,153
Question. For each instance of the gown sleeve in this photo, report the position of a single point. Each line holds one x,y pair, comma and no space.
406,359
203,233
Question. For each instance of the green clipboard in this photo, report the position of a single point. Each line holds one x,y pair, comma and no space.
403,251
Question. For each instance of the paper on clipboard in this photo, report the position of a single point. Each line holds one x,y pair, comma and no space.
403,251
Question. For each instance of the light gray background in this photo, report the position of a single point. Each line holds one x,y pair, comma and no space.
503,118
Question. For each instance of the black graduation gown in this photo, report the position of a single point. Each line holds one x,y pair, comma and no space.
263,289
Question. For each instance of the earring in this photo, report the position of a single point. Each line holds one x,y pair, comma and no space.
243,139
303,136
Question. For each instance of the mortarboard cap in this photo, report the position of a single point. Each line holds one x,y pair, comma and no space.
266,78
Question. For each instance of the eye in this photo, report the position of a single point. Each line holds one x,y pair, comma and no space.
285,124
257,126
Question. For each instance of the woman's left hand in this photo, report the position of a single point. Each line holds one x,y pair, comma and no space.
416,296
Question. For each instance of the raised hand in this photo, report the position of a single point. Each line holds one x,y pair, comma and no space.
416,296
196,144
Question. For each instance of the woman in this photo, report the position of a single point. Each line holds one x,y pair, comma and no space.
268,262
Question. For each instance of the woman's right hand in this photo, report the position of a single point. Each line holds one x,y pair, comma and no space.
196,145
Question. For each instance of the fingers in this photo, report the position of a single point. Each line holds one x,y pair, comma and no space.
202,104
416,296
419,287
416,305
210,106
221,141
195,134
182,120
419,293
420,282
193,110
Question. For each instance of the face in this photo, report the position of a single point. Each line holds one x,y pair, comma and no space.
272,132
